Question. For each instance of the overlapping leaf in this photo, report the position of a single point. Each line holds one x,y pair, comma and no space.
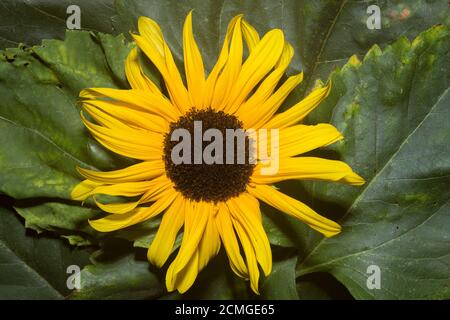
33,267
31,21
393,109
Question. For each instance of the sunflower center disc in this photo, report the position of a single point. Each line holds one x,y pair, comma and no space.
196,177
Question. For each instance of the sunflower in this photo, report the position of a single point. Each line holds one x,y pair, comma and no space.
214,203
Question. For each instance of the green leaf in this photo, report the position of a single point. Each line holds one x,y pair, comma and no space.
321,286
332,31
50,140
39,111
118,272
71,222
30,21
393,111
280,284
33,267
67,220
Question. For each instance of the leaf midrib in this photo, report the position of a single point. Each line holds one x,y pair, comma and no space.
323,45
47,139
318,266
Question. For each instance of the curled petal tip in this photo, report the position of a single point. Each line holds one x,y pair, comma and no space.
355,179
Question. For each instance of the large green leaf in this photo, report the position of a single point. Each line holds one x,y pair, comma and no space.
280,285
393,110
33,267
333,31
40,113
71,222
30,21
68,220
119,272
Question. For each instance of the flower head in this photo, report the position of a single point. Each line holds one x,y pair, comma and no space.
202,187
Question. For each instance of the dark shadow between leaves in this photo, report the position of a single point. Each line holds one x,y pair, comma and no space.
321,286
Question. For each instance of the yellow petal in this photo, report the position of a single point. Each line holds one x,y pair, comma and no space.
310,168
193,64
137,99
128,142
184,269
250,34
301,138
209,245
245,210
228,76
300,110
137,172
221,61
255,116
136,76
119,221
128,116
154,190
295,208
126,189
228,236
117,208
196,218
103,118
185,278
152,43
250,256
172,221
83,190
266,88
260,61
